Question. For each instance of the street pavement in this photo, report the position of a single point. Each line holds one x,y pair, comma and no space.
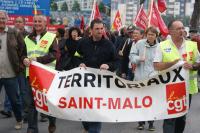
64,126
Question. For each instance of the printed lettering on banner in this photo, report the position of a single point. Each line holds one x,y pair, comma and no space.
40,100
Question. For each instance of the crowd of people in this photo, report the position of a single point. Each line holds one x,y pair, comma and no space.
132,53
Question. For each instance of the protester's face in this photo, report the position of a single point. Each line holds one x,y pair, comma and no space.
193,35
39,23
66,35
19,23
97,31
130,34
177,30
151,37
136,35
3,20
74,34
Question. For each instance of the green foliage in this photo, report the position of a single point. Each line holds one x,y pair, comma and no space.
64,7
54,6
76,6
101,7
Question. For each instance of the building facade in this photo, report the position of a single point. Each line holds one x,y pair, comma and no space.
176,8
127,8
85,5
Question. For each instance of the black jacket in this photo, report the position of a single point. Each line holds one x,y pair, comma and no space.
120,40
125,57
67,59
96,53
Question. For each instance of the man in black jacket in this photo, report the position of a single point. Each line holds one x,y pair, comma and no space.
96,52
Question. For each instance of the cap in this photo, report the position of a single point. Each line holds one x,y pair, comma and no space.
193,31
130,28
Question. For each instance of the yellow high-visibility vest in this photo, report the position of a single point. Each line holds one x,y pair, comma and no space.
171,53
40,49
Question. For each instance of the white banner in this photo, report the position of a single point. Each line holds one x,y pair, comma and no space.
98,95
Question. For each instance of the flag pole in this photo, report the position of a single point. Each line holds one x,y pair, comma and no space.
150,12
138,13
35,8
92,13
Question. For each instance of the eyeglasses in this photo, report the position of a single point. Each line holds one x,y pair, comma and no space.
179,28
2,19
18,21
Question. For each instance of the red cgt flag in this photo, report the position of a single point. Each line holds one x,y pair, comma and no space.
156,20
40,79
162,5
117,23
95,14
141,18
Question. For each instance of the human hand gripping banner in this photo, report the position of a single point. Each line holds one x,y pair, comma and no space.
99,95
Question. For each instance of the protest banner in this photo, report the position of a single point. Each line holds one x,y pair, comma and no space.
99,95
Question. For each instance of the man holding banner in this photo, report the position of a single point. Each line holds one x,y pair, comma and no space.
41,47
168,53
96,52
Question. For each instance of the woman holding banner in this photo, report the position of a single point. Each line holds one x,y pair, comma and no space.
142,54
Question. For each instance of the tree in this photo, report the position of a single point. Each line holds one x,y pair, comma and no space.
194,23
64,7
101,7
54,6
76,6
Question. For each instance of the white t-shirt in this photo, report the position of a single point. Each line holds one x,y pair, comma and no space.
37,38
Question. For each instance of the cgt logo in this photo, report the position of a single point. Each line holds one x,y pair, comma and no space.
176,98
43,43
40,100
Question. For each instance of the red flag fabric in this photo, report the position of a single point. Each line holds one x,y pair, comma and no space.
141,18
162,5
156,20
40,79
95,14
82,24
117,23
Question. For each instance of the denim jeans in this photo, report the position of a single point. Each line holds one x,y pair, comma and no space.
22,81
174,125
23,88
7,105
143,122
130,75
92,127
11,89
